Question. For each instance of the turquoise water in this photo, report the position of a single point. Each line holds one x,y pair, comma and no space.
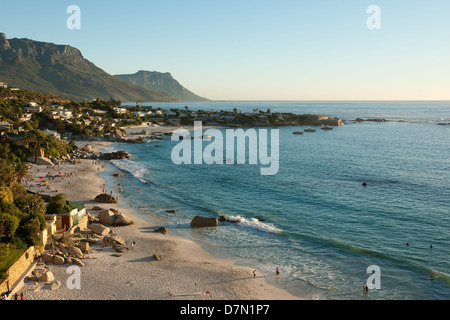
314,219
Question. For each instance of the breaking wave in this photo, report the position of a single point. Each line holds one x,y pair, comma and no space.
255,224
134,168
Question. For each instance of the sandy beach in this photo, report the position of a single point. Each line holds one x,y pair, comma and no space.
186,272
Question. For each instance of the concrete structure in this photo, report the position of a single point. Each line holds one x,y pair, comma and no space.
35,109
19,270
57,222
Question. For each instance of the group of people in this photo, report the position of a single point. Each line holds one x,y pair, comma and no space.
4,295
277,272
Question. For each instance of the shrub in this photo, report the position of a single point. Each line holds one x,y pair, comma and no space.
31,204
8,226
29,231
58,205
6,194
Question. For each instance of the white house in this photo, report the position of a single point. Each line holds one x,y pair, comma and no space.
32,104
3,85
25,117
66,114
5,127
120,110
140,114
99,111
36,109
53,134
54,115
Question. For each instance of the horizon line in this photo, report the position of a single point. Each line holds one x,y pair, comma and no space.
255,100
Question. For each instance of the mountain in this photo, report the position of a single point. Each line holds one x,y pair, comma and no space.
62,70
163,82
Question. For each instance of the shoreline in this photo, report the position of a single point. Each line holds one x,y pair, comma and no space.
187,270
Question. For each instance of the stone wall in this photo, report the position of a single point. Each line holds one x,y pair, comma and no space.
16,271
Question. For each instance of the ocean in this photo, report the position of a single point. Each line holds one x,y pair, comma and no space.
314,219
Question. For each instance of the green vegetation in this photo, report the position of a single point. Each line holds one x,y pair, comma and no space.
9,254
58,204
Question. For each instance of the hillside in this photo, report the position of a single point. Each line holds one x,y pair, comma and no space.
62,70
163,82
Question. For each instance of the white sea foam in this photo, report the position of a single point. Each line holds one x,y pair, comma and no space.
136,169
255,224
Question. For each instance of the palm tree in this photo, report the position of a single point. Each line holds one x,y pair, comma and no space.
22,172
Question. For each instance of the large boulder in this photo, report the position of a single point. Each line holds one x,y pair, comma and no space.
114,239
47,257
47,277
75,252
55,285
107,217
99,229
162,230
120,248
204,222
122,220
87,148
58,260
115,155
78,262
84,246
105,198
44,161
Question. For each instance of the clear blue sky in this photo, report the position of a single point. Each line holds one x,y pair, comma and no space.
258,49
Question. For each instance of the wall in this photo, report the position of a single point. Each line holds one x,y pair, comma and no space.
16,271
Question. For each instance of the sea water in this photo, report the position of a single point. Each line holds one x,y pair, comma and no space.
314,219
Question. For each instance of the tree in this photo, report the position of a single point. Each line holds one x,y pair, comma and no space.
31,204
8,226
58,205
29,231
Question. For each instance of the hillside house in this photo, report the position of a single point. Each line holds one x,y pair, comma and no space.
5,127
31,104
32,109
53,134
120,110
25,117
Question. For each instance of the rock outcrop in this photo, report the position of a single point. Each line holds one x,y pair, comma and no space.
105,198
99,229
162,230
107,217
122,220
118,155
204,222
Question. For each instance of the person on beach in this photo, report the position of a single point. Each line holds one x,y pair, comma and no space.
277,271
254,274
